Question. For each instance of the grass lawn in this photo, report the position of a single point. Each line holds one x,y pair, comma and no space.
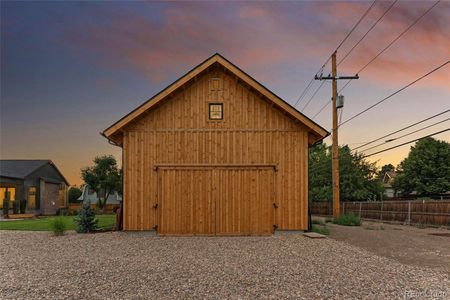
43,223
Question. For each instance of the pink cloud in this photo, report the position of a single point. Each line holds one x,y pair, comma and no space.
261,36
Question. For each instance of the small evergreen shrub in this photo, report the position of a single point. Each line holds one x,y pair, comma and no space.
86,221
348,219
6,207
23,206
58,226
16,206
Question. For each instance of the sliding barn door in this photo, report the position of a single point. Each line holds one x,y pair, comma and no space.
216,201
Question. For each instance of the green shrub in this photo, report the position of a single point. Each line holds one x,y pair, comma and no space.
58,226
6,206
321,230
85,220
16,206
23,206
420,225
317,221
348,219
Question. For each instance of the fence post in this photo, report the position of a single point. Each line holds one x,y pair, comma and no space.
343,207
360,204
381,212
409,213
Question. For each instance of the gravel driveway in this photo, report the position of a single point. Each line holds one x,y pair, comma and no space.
121,265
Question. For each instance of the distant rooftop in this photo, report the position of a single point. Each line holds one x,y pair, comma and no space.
20,168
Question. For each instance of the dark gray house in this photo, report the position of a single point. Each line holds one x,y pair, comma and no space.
38,181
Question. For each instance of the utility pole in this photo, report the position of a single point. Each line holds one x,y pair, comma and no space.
336,194
334,78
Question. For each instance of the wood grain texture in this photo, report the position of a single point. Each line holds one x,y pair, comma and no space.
217,91
178,132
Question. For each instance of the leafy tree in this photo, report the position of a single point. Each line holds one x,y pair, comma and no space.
103,178
74,194
358,180
320,173
426,170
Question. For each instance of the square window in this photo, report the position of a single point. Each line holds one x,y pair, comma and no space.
216,111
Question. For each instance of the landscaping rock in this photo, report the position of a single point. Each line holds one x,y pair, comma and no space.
121,265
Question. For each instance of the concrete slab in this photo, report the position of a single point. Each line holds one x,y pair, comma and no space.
288,232
314,235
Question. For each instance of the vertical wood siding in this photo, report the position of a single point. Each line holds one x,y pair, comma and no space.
179,132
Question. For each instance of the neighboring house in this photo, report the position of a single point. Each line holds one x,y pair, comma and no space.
387,181
89,194
215,153
38,181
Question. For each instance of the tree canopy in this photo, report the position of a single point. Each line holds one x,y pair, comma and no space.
358,178
74,194
104,177
426,170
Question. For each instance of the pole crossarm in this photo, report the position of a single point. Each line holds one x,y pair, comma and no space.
336,77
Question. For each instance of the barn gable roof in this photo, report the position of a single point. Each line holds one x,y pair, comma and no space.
318,131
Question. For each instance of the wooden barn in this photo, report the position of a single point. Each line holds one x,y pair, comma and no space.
215,153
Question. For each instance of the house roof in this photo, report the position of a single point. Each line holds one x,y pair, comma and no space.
388,178
21,168
318,131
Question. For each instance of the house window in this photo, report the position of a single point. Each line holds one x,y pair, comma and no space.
216,111
12,195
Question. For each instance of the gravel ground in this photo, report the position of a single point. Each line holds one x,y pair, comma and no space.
118,265
405,244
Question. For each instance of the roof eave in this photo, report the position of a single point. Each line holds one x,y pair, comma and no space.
316,128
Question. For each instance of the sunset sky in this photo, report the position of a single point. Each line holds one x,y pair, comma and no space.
71,69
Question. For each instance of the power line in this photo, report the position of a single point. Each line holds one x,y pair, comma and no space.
404,128
387,149
368,31
317,90
320,110
381,52
304,91
328,59
396,92
356,25
392,42
397,138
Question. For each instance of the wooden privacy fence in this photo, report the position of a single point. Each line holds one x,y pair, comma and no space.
108,209
431,212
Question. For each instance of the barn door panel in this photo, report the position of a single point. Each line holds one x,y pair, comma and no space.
186,202
244,201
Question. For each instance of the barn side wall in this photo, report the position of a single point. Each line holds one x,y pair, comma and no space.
179,132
